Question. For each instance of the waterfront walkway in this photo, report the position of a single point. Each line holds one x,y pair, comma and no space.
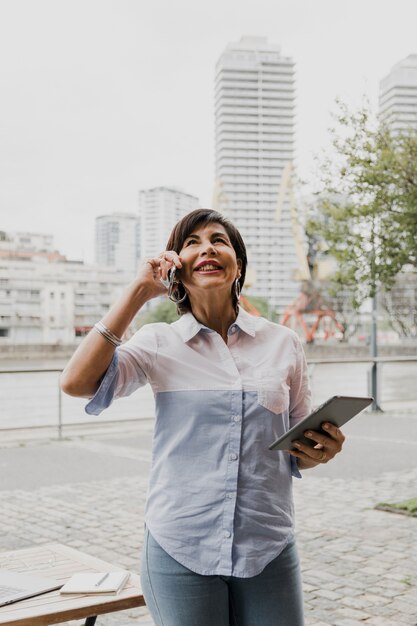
88,491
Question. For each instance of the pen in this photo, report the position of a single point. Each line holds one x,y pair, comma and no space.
101,580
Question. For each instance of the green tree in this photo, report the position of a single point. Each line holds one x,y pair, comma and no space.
261,304
401,304
368,203
166,311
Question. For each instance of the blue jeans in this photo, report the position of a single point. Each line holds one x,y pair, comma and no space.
176,596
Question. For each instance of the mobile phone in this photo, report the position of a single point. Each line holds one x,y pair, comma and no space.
337,410
169,281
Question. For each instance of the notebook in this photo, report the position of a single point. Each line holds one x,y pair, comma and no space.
97,582
16,586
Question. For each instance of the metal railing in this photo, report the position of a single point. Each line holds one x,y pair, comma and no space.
373,385
374,362
45,370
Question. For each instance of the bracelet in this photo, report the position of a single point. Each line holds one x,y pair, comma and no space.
107,334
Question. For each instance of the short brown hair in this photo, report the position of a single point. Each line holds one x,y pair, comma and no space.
202,217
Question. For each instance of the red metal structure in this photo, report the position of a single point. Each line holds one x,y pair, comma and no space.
310,303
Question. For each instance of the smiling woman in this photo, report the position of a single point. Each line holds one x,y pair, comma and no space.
209,234
219,543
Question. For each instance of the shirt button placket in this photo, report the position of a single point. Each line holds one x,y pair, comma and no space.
231,478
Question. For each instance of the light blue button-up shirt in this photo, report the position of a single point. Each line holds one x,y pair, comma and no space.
219,502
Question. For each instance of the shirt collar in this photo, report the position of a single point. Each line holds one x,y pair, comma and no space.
246,322
188,326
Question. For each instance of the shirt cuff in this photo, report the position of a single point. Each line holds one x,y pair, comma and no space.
295,471
103,397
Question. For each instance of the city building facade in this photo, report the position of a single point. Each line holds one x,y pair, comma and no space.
48,301
159,209
118,242
254,144
23,245
398,95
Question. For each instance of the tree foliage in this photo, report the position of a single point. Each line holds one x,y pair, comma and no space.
166,312
368,203
261,304
401,304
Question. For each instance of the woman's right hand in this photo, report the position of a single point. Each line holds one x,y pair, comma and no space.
90,361
153,270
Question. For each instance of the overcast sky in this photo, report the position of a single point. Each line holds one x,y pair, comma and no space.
101,98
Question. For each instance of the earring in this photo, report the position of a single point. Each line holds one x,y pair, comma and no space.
172,291
237,288
172,284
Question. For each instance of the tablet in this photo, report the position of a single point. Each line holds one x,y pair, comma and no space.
338,410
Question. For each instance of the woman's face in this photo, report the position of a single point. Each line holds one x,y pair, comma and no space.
209,261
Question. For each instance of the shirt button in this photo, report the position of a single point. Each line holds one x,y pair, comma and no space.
226,534
233,456
236,418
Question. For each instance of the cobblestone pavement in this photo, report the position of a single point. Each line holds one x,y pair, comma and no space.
359,564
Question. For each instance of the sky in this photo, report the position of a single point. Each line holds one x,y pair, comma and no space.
102,98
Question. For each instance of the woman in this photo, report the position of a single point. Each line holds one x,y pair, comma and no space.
219,539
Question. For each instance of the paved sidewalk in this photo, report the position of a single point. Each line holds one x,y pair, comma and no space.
359,565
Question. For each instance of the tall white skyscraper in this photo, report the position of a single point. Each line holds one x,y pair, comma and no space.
159,209
118,242
398,95
254,116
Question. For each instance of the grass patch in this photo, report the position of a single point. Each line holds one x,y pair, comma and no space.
407,507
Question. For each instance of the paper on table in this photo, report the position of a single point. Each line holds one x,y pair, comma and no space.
97,582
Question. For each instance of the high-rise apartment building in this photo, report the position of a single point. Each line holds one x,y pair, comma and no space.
398,95
255,125
118,242
159,209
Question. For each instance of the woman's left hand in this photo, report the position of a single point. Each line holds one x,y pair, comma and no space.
327,446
